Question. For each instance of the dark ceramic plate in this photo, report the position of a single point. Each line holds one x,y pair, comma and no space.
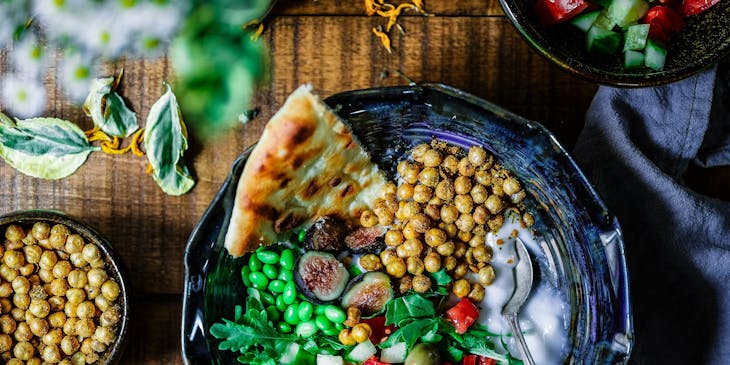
111,258
704,41
582,252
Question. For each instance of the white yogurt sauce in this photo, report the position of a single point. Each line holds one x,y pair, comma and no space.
543,317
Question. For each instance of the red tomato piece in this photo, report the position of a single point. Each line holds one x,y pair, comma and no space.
555,11
663,23
463,315
486,361
693,7
379,330
469,360
374,361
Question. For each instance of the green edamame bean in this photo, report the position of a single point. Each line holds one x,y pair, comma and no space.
267,257
290,315
267,298
285,275
334,314
339,327
319,310
322,322
284,327
270,271
290,293
254,263
331,331
305,311
301,235
280,305
286,260
258,280
301,297
245,270
306,329
273,313
276,286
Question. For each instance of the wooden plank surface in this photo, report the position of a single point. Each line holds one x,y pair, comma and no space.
326,43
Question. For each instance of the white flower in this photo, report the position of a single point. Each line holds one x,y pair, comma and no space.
75,74
104,33
62,20
29,57
25,98
13,15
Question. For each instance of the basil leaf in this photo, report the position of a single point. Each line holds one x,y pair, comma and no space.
43,136
45,148
108,111
165,139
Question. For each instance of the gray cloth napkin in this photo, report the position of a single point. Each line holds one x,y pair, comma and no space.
634,148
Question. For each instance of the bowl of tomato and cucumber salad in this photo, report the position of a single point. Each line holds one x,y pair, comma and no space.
632,43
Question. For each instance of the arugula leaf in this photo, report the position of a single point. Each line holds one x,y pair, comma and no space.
408,307
108,110
46,148
165,139
441,277
410,333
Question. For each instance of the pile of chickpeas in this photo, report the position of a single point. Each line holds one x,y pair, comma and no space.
438,217
58,304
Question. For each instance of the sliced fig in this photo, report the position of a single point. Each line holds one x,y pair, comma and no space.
368,292
320,276
366,240
326,234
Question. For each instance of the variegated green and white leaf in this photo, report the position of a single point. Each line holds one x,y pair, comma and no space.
108,110
165,139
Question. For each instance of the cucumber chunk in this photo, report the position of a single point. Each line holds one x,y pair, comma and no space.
585,20
395,354
625,12
604,21
329,360
295,355
633,59
655,56
361,352
636,37
602,41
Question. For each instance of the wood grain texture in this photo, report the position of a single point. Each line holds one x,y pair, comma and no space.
154,335
461,8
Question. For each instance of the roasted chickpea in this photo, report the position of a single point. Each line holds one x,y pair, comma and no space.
429,177
6,290
450,164
69,327
13,259
449,213
15,361
74,244
39,308
23,350
45,275
396,267
497,187
386,256
477,239
56,303
414,265
53,337
92,358
21,301
345,337
466,168
51,354
57,319
109,317
477,155
17,314
483,177
432,262
69,344
6,343
510,186
401,168
75,295
7,273
361,332
420,223
445,190
449,263
57,287
79,358
405,191
482,253
422,193
411,173
494,204
461,288
14,233
368,219
479,194
435,237
62,269
446,248
419,152
38,326
451,230
410,209
421,283
464,203
495,223
528,220
5,305
477,292
85,310
431,158
389,188
48,260
480,215
77,259
412,247
486,275
32,254
462,185
96,277
85,327
27,269
102,303
432,211
70,309
517,197
7,324
23,332
461,270
393,237
385,218
370,262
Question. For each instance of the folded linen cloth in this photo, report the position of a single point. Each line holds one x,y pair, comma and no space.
634,148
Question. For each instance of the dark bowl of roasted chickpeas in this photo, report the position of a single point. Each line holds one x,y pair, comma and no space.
63,298
578,253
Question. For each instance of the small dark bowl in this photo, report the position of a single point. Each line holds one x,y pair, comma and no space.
704,41
581,252
113,262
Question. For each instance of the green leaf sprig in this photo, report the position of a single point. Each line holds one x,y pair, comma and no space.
108,110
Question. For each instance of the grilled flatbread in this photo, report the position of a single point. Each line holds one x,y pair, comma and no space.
307,164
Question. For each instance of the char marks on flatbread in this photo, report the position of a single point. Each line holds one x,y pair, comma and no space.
307,164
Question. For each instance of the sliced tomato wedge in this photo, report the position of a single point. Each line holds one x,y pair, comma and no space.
663,23
555,11
463,315
694,7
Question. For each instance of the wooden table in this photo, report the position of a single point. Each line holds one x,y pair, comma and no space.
469,44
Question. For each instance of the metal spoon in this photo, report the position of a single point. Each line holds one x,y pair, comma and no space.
523,285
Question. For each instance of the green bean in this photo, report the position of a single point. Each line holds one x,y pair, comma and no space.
273,313
284,327
285,275
254,263
258,280
276,286
334,314
280,305
287,259
290,315
270,271
245,270
306,329
267,257
322,322
267,298
290,292
305,311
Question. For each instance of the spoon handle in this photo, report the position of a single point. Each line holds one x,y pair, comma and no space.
517,333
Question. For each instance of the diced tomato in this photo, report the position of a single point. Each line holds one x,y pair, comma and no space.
486,361
555,11
374,361
463,315
663,23
469,360
379,330
693,7
478,360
